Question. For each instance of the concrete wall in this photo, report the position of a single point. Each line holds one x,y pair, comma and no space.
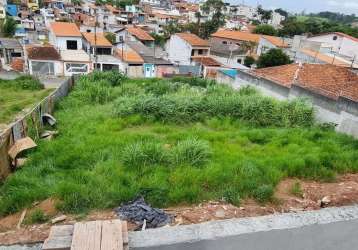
342,112
327,229
179,51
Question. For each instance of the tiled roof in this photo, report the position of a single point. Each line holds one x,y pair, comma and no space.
193,39
277,41
325,79
140,34
206,61
17,64
237,35
325,58
100,40
42,53
282,75
65,29
111,8
129,56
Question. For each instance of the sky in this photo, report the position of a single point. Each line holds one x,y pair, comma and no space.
297,6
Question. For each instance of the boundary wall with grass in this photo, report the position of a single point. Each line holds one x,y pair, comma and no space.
342,112
29,125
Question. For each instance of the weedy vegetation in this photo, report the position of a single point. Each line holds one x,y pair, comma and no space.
18,94
176,141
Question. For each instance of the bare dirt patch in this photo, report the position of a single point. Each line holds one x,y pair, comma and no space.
342,192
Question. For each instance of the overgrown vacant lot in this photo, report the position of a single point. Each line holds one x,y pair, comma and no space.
15,95
177,141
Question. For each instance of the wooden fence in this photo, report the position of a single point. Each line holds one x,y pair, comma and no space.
30,124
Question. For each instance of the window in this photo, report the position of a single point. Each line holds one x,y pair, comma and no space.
192,52
104,51
335,38
224,42
76,67
200,51
109,67
43,68
71,44
16,54
239,61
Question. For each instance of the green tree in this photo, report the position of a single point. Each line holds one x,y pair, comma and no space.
266,15
111,37
274,57
158,39
292,27
9,27
249,60
265,29
282,12
217,7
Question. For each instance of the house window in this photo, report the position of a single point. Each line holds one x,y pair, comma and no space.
192,52
224,42
76,67
200,51
71,44
335,38
43,68
239,61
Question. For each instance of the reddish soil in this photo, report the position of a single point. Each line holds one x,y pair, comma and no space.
342,192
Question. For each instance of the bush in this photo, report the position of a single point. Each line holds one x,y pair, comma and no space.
249,60
263,193
191,152
93,92
37,216
143,153
194,81
273,57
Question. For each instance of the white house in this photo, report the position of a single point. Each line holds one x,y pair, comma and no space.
43,60
341,43
65,36
182,47
276,19
271,42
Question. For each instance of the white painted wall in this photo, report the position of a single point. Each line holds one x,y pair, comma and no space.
58,66
347,46
179,51
61,42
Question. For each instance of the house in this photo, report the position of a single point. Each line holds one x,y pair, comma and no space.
2,12
10,48
332,90
131,62
183,46
241,39
43,61
101,51
341,43
138,34
271,42
76,62
65,36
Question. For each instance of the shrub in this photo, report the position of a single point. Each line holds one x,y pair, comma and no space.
191,152
194,81
36,216
249,61
93,92
143,153
263,193
28,82
273,57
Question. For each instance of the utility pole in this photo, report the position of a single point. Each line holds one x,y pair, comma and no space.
95,36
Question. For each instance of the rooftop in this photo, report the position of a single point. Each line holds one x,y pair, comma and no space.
277,41
206,61
237,35
193,39
129,56
140,34
325,58
325,79
9,43
339,34
65,29
99,40
42,53
75,56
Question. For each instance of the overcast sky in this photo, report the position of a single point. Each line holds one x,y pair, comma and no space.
345,6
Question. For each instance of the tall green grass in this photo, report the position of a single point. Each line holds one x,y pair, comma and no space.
218,144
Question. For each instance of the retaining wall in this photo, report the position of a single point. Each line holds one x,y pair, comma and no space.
29,125
342,112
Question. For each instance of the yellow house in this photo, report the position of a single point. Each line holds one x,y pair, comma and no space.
33,5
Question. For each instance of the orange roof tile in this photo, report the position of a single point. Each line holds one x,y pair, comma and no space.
325,79
100,39
277,41
206,61
193,39
325,58
129,56
237,35
65,29
140,34
112,8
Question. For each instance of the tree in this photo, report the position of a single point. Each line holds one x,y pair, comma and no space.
282,12
111,37
265,29
274,57
249,60
266,15
217,7
292,27
9,27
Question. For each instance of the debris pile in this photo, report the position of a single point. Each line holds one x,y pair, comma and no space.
139,212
